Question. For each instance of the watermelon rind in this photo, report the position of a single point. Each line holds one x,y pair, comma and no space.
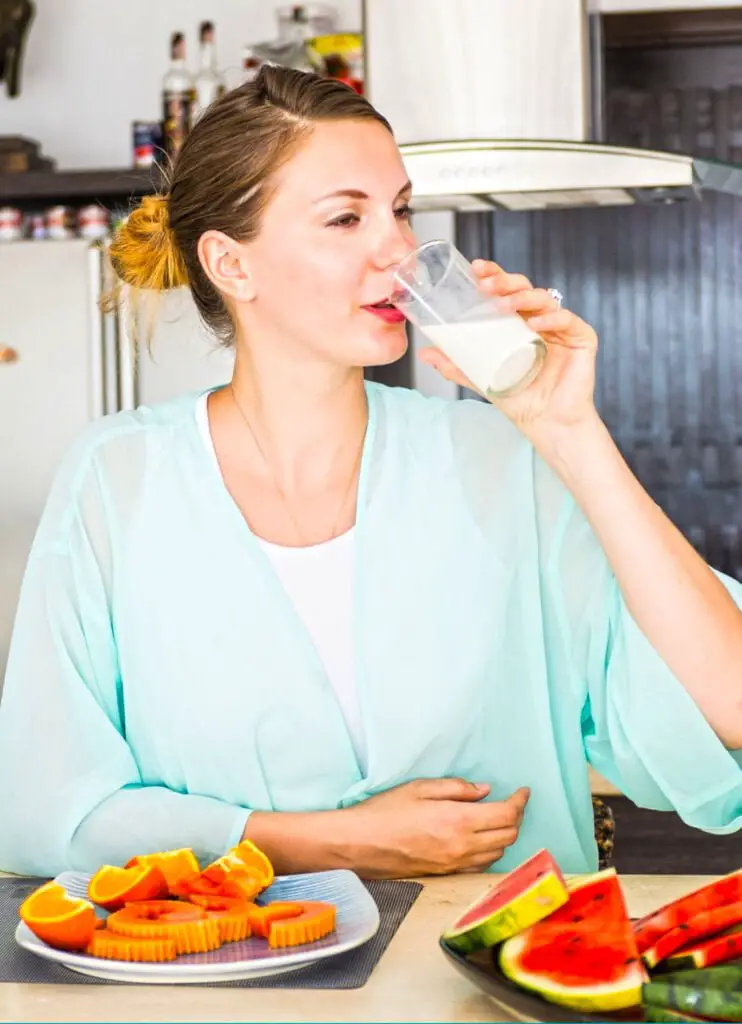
545,895
615,995
663,1015
712,992
717,949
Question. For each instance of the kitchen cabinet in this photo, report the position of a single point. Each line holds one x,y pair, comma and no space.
51,385
525,74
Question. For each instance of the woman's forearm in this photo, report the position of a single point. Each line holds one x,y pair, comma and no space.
679,604
303,841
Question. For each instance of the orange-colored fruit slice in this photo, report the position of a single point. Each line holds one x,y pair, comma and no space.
112,887
111,946
174,864
232,915
262,918
255,860
315,921
235,884
185,923
58,919
197,885
241,887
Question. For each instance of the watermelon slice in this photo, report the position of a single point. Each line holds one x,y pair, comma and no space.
714,992
525,895
700,926
718,894
665,1016
717,950
584,955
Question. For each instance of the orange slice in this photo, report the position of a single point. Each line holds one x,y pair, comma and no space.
198,885
111,946
232,915
314,922
58,919
174,864
185,923
255,860
243,859
235,884
112,887
262,918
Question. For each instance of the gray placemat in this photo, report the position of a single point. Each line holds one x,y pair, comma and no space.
347,970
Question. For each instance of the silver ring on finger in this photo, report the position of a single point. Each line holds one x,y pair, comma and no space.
556,295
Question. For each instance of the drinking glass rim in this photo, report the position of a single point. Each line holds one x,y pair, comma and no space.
453,252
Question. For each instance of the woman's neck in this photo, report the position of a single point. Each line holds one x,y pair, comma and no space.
303,423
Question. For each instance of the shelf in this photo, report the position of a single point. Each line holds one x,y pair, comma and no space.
672,29
48,188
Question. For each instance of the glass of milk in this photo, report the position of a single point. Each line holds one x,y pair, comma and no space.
436,289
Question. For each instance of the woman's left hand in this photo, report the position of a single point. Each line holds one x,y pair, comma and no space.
562,395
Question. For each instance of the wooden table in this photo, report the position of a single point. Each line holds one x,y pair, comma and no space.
412,982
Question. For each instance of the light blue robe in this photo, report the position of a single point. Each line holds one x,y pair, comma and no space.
160,684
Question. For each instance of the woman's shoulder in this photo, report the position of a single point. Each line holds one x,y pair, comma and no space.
466,422
131,427
119,446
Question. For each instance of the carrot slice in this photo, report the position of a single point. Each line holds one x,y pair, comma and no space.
261,918
315,921
185,923
111,946
232,915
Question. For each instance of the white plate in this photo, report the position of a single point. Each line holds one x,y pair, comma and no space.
357,922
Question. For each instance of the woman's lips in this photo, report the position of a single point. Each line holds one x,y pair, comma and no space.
389,314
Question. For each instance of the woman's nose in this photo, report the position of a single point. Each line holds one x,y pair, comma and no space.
396,247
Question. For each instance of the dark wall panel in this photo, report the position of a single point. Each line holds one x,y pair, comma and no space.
662,287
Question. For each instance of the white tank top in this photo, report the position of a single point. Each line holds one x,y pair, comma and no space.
319,581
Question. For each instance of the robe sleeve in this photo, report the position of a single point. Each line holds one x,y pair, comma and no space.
641,729
71,795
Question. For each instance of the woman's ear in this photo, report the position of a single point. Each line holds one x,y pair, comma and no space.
225,264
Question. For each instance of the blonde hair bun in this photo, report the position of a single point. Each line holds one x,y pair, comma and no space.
144,252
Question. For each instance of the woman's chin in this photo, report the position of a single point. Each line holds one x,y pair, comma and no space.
385,346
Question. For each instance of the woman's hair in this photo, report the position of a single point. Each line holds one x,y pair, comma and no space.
222,180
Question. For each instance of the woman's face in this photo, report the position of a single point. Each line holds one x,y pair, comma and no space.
331,235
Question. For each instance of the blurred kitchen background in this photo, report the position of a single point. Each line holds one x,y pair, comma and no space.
520,122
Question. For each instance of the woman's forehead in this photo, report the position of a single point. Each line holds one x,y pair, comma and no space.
345,155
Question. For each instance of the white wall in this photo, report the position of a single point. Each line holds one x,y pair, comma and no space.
94,66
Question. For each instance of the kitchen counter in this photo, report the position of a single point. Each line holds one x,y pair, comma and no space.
412,982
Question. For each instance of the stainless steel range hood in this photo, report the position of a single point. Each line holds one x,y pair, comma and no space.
493,101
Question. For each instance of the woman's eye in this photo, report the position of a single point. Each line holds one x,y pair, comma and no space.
345,221
403,212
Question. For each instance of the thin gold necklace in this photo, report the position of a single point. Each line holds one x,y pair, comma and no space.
284,497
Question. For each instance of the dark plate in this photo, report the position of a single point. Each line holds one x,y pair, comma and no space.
482,970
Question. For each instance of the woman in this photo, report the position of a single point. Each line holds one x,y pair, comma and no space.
360,627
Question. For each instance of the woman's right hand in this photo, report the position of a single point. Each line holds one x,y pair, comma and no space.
432,827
